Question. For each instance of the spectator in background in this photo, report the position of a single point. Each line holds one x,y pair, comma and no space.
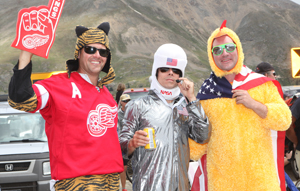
287,96
120,90
125,98
266,69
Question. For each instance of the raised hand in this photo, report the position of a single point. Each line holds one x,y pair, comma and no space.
187,88
36,28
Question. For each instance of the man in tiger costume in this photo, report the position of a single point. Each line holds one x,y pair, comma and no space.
80,114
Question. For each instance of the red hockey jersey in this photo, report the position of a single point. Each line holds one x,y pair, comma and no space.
81,126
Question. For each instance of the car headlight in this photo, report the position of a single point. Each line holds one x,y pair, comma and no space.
46,168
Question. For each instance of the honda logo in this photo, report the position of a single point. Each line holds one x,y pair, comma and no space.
9,167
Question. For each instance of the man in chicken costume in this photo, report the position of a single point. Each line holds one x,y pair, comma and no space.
242,107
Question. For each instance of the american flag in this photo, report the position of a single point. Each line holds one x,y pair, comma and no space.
171,62
215,87
182,110
197,174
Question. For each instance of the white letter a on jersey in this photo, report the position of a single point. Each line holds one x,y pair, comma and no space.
75,91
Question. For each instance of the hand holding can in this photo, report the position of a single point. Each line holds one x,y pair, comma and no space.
151,135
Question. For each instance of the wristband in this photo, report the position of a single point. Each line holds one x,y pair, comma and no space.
192,102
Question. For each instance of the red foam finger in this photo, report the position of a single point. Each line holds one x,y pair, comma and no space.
33,20
26,21
55,8
43,15
36,31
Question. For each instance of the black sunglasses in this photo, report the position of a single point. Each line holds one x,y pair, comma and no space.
274,73
176,71
93,50
125,101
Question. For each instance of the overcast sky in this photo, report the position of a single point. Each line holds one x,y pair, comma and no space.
296,1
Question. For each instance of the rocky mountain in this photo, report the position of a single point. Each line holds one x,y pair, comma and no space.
268,29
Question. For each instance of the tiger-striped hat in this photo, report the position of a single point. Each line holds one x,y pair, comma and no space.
88,36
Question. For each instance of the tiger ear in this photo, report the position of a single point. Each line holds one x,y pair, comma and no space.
105,27
80,30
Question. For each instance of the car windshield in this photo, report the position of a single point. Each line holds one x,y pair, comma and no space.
135,95
23,127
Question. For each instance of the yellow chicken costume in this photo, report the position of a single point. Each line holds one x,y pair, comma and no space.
239,153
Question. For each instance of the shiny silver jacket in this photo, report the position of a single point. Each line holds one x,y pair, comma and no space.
120,118
164,168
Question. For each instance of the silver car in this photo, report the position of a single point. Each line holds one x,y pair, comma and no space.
24,153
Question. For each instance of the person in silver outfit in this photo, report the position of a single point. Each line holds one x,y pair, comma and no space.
174,118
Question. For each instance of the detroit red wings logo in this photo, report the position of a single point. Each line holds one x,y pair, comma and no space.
35,40
100,119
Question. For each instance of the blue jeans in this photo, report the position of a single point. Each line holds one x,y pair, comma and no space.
290,183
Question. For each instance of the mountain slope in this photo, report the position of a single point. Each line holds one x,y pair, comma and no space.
267,29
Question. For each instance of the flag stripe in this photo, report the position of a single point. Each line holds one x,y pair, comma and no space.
215,87
199,178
